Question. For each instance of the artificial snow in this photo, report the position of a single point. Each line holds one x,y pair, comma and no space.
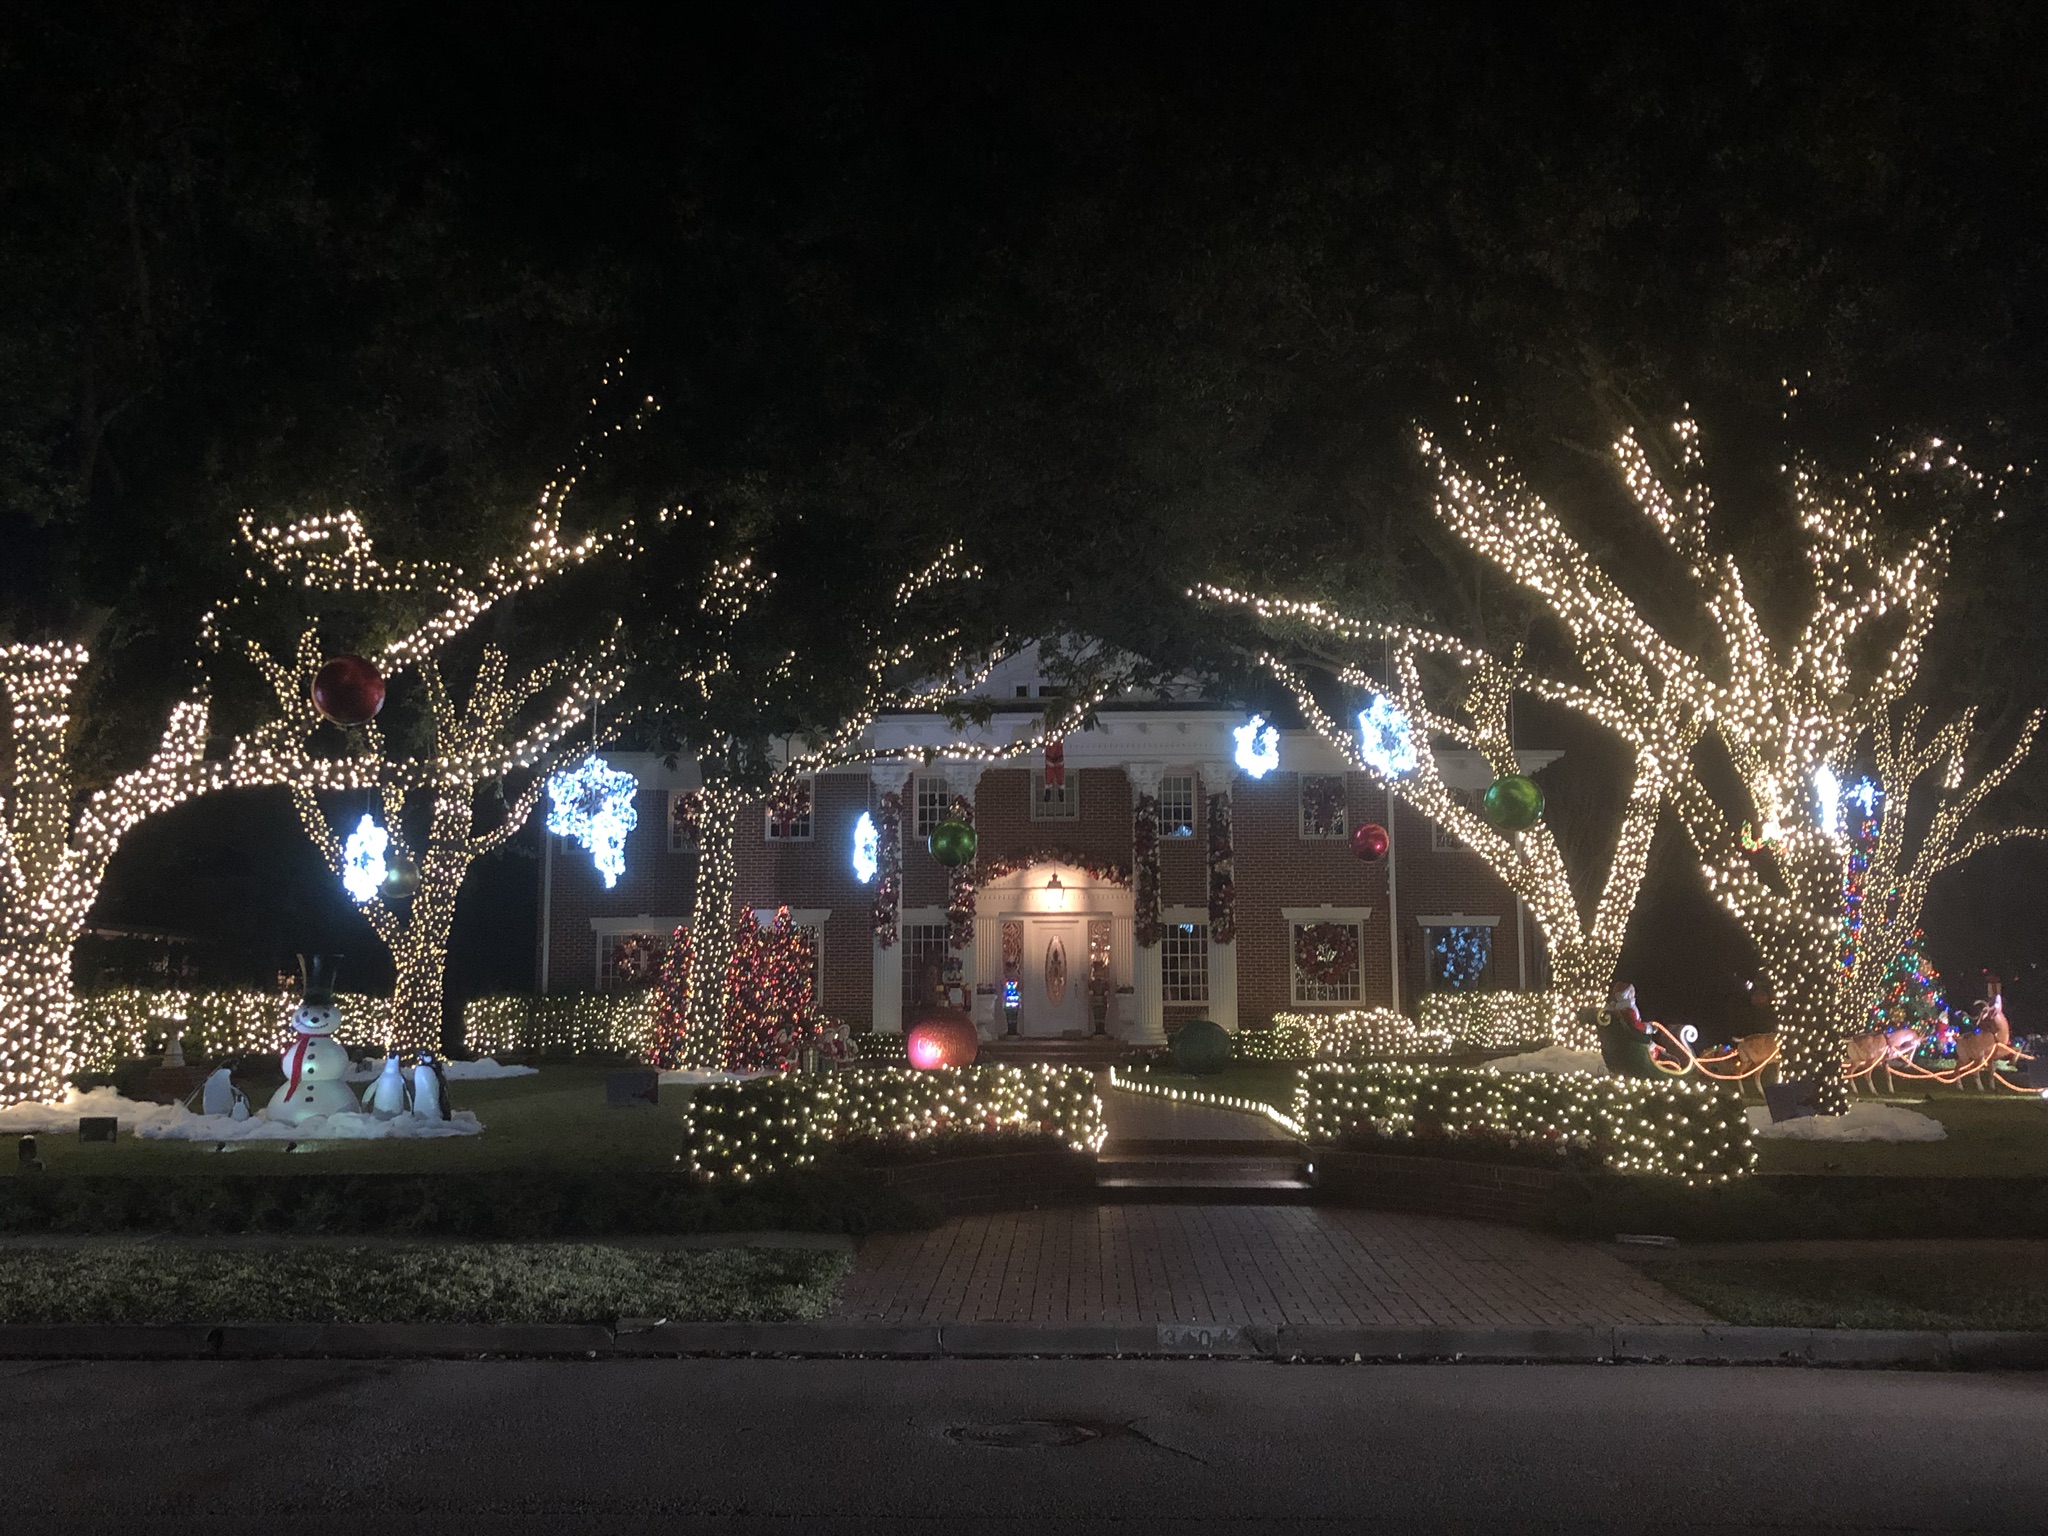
1864,1122
482,1071
174,1122
1552,1058
699,1079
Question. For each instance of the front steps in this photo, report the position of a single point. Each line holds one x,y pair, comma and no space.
1234,1172
1093,1051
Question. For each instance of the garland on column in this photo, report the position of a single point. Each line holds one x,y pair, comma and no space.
1145,871
960,886
888,867
1222,872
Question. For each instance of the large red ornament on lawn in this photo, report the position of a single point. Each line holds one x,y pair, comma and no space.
1370,842
348,690
942,1037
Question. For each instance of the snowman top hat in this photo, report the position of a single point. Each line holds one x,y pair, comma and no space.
316,977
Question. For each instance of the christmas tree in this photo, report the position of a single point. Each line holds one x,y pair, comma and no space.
1912,997
770,996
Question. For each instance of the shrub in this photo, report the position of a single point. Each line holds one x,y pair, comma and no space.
117,1026
1496,1021
578,1024
1375,1033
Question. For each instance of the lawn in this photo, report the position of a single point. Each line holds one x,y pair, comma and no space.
442,1283
1963,1285
555,1121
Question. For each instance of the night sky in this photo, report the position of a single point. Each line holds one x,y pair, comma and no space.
1120,296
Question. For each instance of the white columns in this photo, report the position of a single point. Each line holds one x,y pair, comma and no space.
1223,985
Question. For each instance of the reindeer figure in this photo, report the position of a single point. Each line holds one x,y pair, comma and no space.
1865,1054
1977,1055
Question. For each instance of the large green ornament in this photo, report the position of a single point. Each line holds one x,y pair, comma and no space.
1512,803
952,843
1201,1048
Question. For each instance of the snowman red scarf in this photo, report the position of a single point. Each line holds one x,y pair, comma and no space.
296,1057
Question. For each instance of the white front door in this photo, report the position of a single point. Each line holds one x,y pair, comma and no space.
1055,990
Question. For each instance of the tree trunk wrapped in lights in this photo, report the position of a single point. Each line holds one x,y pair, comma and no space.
1795,718
704,1007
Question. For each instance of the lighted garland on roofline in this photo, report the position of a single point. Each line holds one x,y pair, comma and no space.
752,1129
1102,871
1222,872
1682,1129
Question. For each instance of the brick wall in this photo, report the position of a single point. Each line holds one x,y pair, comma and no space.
656,882
1433,884
818,872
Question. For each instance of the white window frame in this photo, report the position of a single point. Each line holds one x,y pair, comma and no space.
1302,917
1185,828
920,828
919,917
1194,935
608,931
1343,828
1429,920
677,842
1068,805
808,821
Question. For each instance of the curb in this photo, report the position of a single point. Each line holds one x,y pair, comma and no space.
1632,1345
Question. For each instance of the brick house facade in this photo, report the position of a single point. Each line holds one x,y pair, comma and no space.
1058,941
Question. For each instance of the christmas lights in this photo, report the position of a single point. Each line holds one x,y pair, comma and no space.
867,861
1363,1032
1386,739
126,1023
1501,1021
592,804
1258,747
586,1024
362,859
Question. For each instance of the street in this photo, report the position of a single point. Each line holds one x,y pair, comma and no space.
1011,1445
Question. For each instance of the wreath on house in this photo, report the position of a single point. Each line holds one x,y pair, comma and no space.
1326,953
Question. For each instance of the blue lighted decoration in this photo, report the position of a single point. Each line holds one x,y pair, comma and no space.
1258,747
1386,739
592,804
1460,956
1827,800
363,866
867,849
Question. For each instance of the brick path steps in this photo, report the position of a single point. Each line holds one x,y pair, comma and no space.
1160,1152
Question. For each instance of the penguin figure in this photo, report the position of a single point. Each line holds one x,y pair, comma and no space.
386,1096
218,1095
430,1089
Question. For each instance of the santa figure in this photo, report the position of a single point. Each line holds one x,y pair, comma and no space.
315,1064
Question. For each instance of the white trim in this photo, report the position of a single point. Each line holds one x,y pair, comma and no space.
1326,914
1194,803
921,916
1456,920
646,922
1354,918
1070,796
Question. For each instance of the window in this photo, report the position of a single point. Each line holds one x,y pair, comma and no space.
923,944
788,818
934,804
1441,841
1326,960
1177,805
1184,963
683,807
1324,812
1055,803
1460,957
627,960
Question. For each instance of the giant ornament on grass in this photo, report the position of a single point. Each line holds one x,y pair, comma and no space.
942,1037
1512,803
349,690
1201,1048
1370,842
952,843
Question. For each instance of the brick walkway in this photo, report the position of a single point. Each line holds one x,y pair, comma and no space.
1304,1265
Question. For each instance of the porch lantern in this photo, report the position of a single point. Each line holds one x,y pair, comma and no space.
1056,894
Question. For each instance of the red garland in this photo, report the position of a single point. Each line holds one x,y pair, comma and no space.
1222,872
1326,953
789,804
960,886
1323,805
992,869
688,814
888,867
1145,864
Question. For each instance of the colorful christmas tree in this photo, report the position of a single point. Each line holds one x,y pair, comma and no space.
1912,997
771,994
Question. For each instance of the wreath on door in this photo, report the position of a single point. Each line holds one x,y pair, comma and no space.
1326,953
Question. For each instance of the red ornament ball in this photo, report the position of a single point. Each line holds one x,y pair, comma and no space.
348,690
1371,842
942,1037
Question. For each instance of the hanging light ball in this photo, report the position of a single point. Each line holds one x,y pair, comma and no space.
952,843
942,1037
1513,803
401,879
349,690
1370,842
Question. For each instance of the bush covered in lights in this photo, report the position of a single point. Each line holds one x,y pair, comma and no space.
1688,1130
1497,1021
747,1130
1356,1033
124,1024
567,1025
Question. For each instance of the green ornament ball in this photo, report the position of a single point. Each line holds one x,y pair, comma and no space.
952,843
1201,1048
1512,803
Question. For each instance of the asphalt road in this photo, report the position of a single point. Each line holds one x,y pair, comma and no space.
1038,1446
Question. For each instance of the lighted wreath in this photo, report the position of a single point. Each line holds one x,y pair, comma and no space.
1326,953
636,959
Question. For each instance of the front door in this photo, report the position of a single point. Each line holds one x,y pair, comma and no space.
1055,990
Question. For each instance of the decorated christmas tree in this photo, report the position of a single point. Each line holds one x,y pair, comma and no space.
1912,997
770,996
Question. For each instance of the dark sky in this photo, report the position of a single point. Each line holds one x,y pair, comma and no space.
1160,286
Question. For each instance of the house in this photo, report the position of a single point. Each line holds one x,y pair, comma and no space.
1259,902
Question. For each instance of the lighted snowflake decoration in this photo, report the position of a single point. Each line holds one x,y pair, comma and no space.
592,804
867,849
1258,747
363,866
1386,738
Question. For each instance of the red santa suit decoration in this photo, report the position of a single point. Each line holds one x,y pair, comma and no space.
1055,764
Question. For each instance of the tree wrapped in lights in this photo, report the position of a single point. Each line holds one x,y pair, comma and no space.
1440,689
1792,711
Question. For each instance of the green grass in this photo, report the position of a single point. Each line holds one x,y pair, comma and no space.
554,1121
2006,1135
1966,1289
454,1283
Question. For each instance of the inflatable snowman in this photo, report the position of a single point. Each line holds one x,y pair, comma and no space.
314,1063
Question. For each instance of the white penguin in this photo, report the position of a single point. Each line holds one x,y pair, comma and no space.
429,1089
315,1063
218,1094
386,1096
